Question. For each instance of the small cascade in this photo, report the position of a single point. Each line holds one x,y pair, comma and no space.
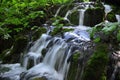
81,13
81,16
118,17
107,9
34,53
54,65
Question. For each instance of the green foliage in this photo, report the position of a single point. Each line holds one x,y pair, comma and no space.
110,27
111,30
76,56
97,39
58,26
4,32
18,15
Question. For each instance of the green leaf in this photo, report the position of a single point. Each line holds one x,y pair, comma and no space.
109,28
96,39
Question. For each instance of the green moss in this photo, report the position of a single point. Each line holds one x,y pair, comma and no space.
96,66
76,56
74,66
74,18
111,17
72,71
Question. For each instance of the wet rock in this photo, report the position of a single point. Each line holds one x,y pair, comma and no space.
74,18
77,36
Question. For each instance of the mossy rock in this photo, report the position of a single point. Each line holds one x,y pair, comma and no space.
74,66
93,16
111,17
74,18
15,51
96,66
72,71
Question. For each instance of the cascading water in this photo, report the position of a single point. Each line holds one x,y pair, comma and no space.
107,9
81,16
81,13
35,51
54,65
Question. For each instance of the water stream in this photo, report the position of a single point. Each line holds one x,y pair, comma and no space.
54,63
81,17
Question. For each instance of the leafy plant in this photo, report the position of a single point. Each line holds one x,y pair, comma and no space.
4,32
110,30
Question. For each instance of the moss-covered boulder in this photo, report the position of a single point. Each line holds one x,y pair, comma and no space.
93,16
111,17
74,18
12,55
96,66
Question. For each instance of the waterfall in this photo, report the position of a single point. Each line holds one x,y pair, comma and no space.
35,51
81,16
54,65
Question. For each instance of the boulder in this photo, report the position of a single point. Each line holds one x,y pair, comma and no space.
93,16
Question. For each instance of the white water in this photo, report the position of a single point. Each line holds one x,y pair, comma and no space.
35,51
81,16
54,65
13,73
107,8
